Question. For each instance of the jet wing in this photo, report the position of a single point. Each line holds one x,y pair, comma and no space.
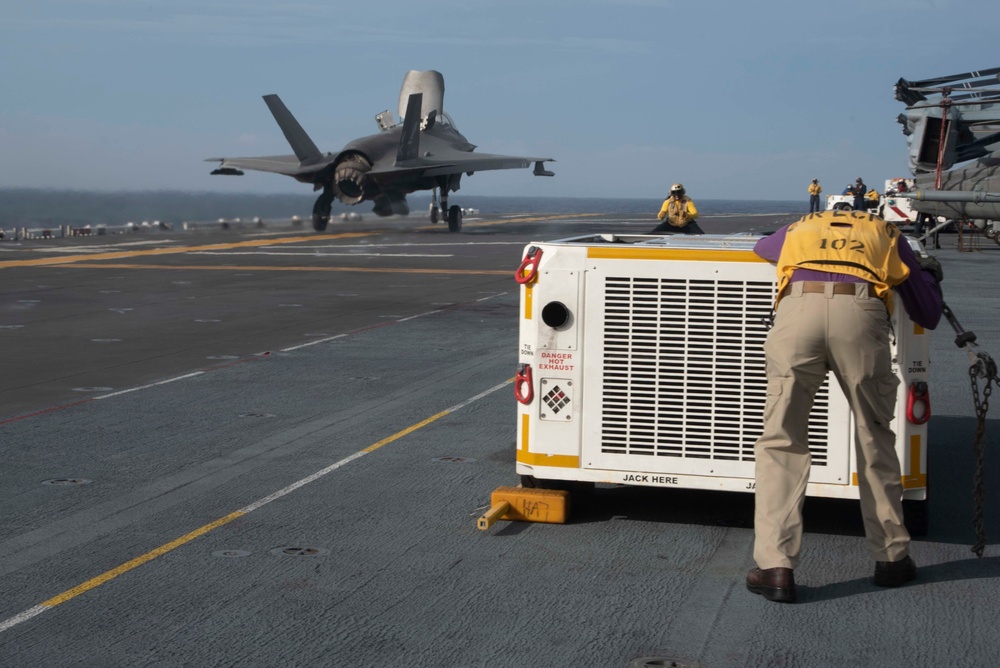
457,162
288,165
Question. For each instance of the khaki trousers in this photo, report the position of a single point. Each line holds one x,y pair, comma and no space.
849,335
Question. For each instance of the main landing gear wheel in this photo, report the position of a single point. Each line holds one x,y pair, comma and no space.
435,214
322,209
320,222
455,218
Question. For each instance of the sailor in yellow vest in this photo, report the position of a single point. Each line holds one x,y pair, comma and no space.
871,199
838,273
814,190
677,214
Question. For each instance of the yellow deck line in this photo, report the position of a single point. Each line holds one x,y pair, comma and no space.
243,267
173,250
188,537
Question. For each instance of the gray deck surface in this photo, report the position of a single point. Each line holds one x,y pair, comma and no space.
195,389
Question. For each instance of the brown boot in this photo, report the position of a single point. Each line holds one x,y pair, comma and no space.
774,584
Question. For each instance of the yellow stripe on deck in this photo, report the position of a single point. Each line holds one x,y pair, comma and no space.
243,267
173,250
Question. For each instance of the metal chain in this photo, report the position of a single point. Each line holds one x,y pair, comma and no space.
984,367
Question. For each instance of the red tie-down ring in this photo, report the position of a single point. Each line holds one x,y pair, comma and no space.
918,403
523,376
524,275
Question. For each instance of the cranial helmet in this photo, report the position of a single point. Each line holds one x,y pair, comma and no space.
677,189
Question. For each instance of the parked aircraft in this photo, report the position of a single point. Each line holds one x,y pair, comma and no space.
952,125
969,105
425,152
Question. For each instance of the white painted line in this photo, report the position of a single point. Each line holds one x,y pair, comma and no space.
311,343
146,387
301,483
419,315
499,294
95,582
22,617
479,396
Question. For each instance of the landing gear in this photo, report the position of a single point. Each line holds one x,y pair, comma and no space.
322,209
435,209
454,212
455,218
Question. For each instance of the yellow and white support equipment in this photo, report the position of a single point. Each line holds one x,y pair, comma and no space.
641,362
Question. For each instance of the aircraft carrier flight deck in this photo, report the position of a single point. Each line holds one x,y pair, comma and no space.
263,446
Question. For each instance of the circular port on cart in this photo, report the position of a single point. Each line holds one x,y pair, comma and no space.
555,314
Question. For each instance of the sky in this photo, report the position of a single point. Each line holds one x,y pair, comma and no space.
736,100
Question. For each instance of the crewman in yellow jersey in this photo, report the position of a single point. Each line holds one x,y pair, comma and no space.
814,190
838,275
871,199
678,214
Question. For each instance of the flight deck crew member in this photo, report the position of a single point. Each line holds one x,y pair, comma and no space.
871,199
838,273
677,214
859,191
814,190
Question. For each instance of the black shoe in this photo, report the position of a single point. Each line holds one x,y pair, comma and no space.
774,584
895,573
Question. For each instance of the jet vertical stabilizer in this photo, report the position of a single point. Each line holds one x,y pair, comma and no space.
409,138
304,148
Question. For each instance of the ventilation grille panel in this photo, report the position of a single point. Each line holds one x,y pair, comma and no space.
683,369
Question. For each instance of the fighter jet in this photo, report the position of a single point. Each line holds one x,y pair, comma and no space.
424,152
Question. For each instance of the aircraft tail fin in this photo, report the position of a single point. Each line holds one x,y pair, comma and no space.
409,138
304,148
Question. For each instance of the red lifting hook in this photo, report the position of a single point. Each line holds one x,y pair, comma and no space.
523,376
920,398
532,258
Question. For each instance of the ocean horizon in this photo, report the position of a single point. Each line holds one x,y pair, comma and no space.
25,207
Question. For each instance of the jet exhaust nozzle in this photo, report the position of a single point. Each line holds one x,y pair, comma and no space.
349,180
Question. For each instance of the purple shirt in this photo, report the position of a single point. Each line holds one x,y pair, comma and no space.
920,293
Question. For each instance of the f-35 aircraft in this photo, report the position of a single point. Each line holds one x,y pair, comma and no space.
425,152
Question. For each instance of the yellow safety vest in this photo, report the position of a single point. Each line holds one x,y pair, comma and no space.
844,242
815,189
678,212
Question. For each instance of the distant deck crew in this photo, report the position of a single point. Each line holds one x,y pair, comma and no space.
871,199
838,275
678,214
814,190
859,191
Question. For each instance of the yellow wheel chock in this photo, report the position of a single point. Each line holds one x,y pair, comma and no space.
526,505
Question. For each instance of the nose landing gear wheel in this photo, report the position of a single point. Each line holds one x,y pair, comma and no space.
455,218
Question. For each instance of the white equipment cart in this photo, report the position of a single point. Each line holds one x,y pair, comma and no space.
641,362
